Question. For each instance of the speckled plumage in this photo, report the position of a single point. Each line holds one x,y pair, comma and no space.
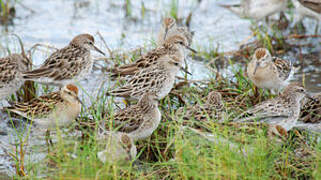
11,69
51,110
171,47
67,65
311,109
269,72
139,121
158,79
283,110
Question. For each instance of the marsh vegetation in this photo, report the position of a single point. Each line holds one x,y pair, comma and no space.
178,149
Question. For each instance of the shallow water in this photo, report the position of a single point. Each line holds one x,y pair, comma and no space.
55,22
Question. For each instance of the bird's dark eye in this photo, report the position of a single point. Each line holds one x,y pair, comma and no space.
90,42
176,64
181,42
302,90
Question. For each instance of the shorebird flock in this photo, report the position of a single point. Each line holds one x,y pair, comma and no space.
149,79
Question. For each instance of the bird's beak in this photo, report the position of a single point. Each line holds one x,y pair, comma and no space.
166,31
98,50
256,66
191,49
185,70
229,6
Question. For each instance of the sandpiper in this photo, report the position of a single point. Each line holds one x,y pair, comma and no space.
158,79
11,69
212,109
282,111
139,121
67,65
173,46
257,9
120,148
269,72
307,8
57,109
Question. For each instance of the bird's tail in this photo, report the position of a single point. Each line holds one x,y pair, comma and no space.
36,74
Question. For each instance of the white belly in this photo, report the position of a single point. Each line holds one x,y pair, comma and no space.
61,117
148,126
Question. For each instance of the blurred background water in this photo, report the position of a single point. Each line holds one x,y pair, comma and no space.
56,22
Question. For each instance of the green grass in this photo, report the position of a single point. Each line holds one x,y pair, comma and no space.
182,154
174,152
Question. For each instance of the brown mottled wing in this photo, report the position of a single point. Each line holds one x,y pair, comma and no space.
62,64
128,119
143,62
311,110
8,70
284,67
146,80
266,111
314,5
38,107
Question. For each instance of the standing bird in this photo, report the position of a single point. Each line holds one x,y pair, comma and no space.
257,9
67,65
173,46
139,121
269,72
282,111
51,110
158,79
57,109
